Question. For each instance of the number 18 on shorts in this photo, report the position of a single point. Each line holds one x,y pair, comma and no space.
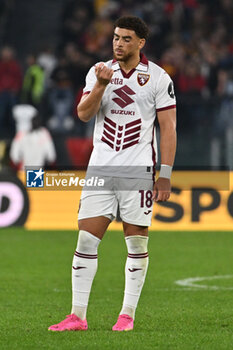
135,204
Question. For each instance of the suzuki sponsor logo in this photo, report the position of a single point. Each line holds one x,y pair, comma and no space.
123,98
120,111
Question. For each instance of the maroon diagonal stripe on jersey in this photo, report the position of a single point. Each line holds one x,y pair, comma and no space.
113,134
107,127
123,92
135,122
86,256
130,144
131,131
132,137
138,256
106,136
107,142
109,121
110,137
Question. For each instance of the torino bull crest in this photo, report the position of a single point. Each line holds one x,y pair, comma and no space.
143,78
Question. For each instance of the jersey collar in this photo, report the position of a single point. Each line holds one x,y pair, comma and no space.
142,65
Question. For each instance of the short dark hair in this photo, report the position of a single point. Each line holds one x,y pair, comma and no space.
133,23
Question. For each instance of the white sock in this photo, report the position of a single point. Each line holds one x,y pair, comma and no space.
135,272
84,268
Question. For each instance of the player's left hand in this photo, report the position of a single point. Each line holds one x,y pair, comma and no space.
162,190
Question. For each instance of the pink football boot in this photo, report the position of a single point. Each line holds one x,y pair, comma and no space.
124,323
71,323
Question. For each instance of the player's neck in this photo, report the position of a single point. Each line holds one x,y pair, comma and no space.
130,64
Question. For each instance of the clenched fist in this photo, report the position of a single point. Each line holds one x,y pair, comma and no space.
103,74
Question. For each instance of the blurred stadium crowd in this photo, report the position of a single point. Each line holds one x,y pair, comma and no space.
191,39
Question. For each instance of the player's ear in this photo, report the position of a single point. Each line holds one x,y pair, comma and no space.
142,43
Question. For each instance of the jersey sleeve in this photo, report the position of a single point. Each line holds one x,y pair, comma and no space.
165,94
90,81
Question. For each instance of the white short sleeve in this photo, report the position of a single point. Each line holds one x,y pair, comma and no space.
165,94
90,80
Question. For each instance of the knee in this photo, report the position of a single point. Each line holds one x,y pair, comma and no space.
85,225
132,230
87,242
137,244
81,225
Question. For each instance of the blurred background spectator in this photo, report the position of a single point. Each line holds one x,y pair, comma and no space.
33,147
23,114
10,85
47,60
61,97
33,83
191,39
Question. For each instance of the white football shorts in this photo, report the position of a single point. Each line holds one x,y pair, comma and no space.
133,196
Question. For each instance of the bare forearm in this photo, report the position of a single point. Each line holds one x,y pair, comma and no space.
89,106
167,125
167,145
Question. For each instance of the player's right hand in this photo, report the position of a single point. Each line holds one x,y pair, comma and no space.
103,74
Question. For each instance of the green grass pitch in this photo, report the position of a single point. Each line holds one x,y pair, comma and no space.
35,277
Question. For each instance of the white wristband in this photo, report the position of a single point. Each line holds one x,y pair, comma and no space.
165,171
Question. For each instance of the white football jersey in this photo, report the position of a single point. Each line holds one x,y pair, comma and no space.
124,133
33,148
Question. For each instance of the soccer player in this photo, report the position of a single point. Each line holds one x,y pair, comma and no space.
125,94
